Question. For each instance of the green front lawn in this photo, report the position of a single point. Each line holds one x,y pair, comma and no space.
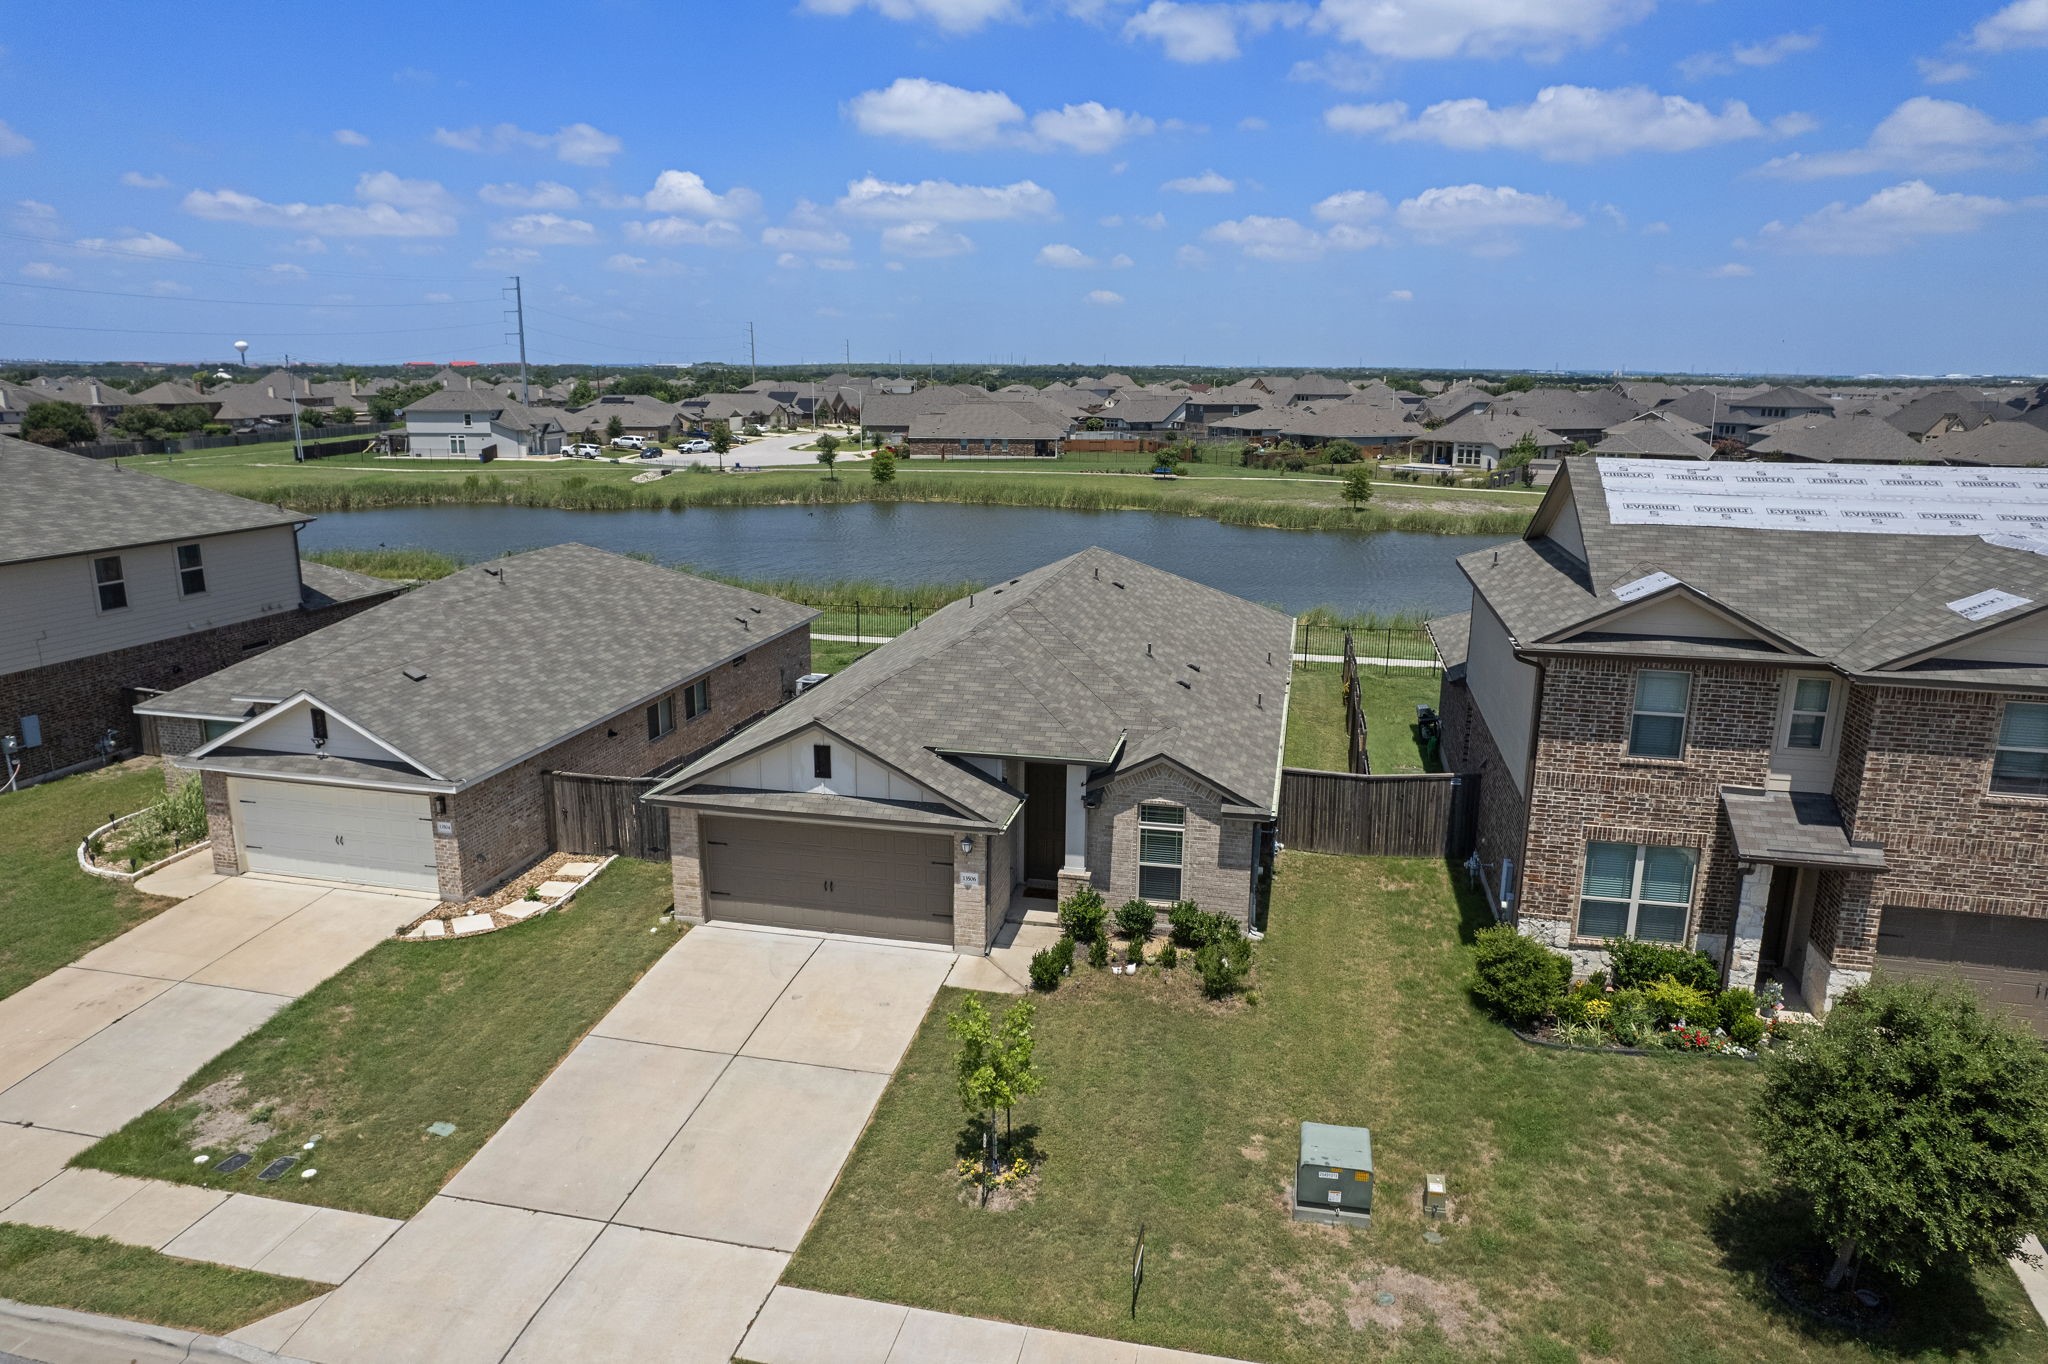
51,913
1604,1207
1315,717
407,1035
93,1274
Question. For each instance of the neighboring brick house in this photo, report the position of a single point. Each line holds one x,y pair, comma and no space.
1093,722
115,583
407,747
987,429
1703,709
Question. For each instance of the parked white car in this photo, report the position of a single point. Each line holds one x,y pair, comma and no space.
695,447
629,442
586,451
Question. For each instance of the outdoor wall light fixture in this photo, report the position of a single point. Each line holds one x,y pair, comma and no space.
967,843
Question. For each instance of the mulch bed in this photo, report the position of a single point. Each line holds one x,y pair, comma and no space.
509,893
1800,1283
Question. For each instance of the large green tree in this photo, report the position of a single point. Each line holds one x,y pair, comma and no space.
1915,1124
57,423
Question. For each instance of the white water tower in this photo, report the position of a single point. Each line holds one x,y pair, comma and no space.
242,351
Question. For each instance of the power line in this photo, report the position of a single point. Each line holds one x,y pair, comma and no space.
692,340
238,302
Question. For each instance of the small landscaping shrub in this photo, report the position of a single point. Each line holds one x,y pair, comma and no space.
1046,969
1672,1001
1135,919
1098,952
1063,950
1734,1004
1136,952
1223,965
1639,964
1082,914
1629,1018
1691,1039
1519,978
1184,921
1169,956
1746,1031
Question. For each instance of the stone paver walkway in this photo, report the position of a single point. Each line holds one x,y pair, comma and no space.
797,1326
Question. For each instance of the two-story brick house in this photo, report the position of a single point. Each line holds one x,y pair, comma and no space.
1797,717
115,583
407,747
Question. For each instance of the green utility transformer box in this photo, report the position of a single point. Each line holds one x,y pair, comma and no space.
1333,1182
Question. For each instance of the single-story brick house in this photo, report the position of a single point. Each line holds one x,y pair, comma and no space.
1094,722
405,747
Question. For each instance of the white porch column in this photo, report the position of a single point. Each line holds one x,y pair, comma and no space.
1746,943
1077,819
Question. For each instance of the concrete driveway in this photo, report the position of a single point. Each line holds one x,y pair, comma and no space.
93,1044
622,1213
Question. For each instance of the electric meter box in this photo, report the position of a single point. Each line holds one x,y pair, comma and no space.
1333,1181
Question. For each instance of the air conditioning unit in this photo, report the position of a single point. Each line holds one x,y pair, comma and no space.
1333,1179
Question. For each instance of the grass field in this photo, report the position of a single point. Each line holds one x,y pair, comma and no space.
1235,497
1603,1207
51,913
1315,717
407,1035
92,1274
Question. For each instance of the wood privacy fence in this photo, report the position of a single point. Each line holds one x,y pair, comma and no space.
1421,814
589,813
1357,757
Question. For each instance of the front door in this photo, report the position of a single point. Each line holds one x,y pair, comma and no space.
1778,915
1045,821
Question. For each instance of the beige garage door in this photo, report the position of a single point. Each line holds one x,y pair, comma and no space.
2005,958
829,878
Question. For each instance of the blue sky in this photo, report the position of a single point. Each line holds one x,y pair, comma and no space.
1642,184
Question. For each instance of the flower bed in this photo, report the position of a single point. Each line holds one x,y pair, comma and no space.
133,845
547,884
1657,998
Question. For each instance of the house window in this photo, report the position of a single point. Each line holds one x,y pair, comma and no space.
458,445
1773,413
319,719
1657,727
465,419
661,717
113,587
821,761
209,730
191,571
1471,456
2020,767
1808,727
696,698
1161,831
1636,890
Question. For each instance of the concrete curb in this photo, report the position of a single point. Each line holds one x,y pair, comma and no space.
110,874
58,1333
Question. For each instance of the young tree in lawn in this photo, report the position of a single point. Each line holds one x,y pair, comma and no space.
614,428
1016,1058
721,441
976,1067
1358,486
882,467
1518,455
1915,1124
828,452
57,423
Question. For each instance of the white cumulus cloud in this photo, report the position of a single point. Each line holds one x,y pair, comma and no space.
685,232
13,143
1090,128
915,109
1482,218
135,244
1426,29
925,241
1208,182
954,16
1263,237
545,194
138,180
1924,135
1351,206
1209,32
686,193
1104,298
1890,219
942,201
826,240
2022,24
1400,295
1768,52
1563,123
349,137
545,229
387,206
579,144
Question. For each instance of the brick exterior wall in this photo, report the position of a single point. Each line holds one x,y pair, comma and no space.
686,864
220,825
500,826
1468,747
82,698
1216,853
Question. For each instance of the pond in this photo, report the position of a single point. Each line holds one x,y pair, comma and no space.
913,543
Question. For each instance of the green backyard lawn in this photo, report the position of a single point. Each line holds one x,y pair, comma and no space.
1315,717
1604,1207
51,913
409,1034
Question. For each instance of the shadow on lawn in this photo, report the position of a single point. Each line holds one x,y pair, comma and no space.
1945,1314
1474,913
1021,1140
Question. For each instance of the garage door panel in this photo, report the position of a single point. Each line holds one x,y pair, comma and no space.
380,838
2005,959
829,878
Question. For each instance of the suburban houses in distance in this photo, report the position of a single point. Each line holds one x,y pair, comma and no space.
115,586
1810,749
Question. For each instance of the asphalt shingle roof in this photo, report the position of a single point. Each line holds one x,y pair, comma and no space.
517,653
1857,439
56,503
1094,658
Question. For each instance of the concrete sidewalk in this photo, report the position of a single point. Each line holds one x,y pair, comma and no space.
797,1326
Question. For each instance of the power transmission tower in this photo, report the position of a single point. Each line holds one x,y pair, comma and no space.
519,317
753,370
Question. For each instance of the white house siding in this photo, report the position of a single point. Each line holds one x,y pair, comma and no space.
2023,642
289,729
787,766
1504,689
430,435
49,609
